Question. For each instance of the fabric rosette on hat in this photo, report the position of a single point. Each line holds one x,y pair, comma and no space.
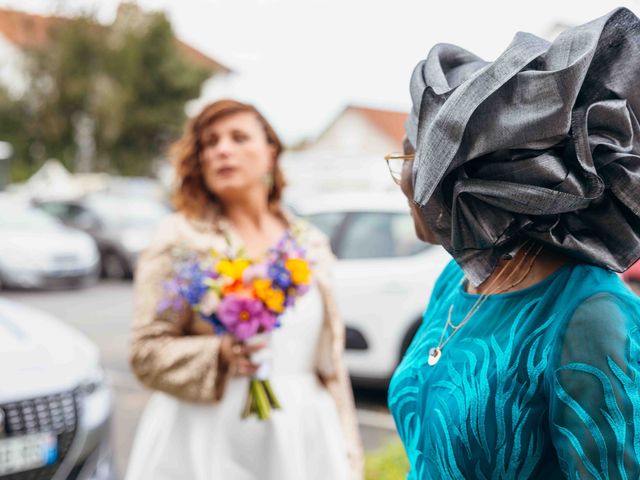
542,143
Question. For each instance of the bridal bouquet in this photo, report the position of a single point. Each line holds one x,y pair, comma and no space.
244,298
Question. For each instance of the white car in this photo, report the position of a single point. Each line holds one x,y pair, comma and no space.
37,251
383,279
55,408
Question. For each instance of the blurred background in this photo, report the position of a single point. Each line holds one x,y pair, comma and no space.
91,95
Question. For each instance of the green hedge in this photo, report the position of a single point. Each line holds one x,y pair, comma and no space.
388,463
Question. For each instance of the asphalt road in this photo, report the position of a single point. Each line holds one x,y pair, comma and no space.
103,312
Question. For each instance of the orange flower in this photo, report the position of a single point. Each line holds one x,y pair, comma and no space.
238,288
272,297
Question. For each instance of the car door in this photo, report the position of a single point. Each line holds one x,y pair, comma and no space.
381,285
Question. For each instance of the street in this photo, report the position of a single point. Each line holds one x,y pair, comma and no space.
103,313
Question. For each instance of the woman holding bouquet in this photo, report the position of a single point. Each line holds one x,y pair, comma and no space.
527,170
199,425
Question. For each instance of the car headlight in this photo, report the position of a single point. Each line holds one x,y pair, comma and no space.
93,381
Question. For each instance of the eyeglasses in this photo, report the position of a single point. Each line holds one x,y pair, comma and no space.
395,161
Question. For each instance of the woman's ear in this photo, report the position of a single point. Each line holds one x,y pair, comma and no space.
273,155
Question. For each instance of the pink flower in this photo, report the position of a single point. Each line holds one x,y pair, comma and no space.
254,272
244,317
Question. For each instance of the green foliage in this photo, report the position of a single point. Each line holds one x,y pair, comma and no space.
388,463
129,83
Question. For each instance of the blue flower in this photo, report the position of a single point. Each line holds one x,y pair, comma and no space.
279,275
218,326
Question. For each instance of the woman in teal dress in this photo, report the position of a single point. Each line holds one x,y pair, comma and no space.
527,170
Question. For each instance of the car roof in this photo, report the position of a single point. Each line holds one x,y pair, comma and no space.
352,202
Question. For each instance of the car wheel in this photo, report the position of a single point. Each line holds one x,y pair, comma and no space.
114,266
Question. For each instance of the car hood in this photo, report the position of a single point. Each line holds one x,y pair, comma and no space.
40,354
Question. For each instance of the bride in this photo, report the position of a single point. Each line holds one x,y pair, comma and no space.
229,191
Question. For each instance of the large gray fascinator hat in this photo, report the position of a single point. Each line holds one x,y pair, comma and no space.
543,143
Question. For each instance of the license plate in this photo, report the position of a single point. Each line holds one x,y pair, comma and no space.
27,452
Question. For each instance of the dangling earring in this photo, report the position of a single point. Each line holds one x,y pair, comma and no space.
268,181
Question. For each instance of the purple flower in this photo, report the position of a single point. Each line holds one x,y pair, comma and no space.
244,317
172,299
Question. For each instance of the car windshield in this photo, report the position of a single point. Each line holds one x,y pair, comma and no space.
123,212
26,219
359,235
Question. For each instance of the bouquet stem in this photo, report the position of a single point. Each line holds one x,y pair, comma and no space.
260,400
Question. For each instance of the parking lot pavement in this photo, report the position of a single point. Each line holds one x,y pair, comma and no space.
103,312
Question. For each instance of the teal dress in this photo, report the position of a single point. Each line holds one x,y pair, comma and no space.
540,383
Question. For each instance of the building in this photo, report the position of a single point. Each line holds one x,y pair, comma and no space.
348,154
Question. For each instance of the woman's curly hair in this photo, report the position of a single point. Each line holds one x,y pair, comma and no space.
192,197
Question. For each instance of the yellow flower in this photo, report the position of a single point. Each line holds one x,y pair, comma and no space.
232,268
299,269
272,298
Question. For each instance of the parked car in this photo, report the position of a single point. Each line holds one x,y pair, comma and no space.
383,277
55,407
36,251
121,226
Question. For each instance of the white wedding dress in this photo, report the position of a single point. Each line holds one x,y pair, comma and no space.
179,440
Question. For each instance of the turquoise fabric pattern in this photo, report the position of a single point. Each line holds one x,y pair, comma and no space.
540,383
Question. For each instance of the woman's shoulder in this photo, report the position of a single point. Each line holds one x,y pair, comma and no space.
585,281
595,300
308,234
179,231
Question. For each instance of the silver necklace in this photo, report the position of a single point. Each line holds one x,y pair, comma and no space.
435,353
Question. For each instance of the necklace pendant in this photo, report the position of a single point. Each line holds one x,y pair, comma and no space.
434,356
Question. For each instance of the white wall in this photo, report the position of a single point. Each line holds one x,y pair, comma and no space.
353,134
12,74
309,173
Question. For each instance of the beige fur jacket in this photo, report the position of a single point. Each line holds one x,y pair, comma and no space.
178,354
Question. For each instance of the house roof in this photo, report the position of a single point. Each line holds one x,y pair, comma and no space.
28,31
390,122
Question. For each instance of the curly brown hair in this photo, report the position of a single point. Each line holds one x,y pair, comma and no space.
192,197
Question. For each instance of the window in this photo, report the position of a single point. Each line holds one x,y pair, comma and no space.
379,235
329,223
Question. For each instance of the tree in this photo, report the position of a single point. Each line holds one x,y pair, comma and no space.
101,98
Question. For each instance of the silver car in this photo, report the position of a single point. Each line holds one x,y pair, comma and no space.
121,226
37,251
55,408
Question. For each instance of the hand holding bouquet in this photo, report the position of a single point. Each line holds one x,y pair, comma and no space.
243,298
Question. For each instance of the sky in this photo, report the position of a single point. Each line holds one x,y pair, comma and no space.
302,61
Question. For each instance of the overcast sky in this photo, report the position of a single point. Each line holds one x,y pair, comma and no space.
301,61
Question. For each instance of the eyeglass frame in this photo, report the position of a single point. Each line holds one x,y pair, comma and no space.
397,156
